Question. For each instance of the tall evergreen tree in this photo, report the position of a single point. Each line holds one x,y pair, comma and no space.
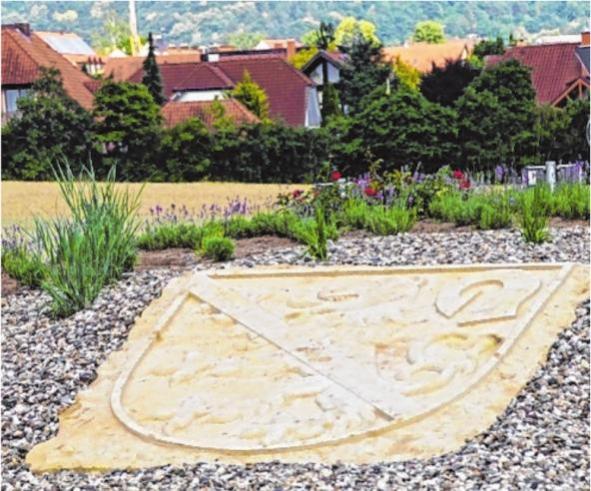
331,105
363,72
152,78
447,83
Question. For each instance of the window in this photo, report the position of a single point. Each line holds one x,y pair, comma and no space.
9,98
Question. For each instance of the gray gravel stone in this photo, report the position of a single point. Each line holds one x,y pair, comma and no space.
541,441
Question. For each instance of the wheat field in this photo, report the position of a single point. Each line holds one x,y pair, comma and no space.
22,201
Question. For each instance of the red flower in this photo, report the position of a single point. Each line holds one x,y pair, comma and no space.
335,175
369,191
465,184
297,193
458,174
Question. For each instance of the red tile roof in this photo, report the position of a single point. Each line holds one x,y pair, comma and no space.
554,67
422,56
188,76
286,87
121,69
177,112
22,57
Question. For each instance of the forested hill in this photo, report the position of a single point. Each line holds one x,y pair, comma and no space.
207,22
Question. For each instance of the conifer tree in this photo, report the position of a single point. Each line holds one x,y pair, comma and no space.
252,95
151,77
331,105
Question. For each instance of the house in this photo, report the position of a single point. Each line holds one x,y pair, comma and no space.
559,71
324,62
24,53
175,112
423,56
69,45
121,69
292,96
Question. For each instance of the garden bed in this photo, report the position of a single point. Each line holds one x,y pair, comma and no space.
540,440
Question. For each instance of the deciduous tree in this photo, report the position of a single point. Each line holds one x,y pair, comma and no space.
48,129
429,31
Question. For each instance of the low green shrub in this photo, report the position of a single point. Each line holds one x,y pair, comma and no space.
533,215
94,247
217,248
571,201
166,235
23,265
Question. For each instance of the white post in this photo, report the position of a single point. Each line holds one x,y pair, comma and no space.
551,173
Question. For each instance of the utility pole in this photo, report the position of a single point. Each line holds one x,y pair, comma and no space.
133,28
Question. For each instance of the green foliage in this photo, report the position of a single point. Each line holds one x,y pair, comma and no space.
364,72
252,96
574,136
331,106
395,20
487,47
495,110
186,150
533,215
444,85
151,78
23,265
349,29
167,235
407,76
48,127
128,124
94,247
218,248
496,213
378,219
268,153
313,233
398,129
571,201
245,40
428,31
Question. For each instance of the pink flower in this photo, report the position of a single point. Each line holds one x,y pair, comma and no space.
464,184
369,191
458,174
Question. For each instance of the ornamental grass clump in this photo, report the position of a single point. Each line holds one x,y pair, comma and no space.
495,212
92,248
571,201
533,216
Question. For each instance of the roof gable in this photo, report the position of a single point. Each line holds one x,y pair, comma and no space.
422,56
554,67
175,112
23,55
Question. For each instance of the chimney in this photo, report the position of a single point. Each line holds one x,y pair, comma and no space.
585,38
291,48
25,28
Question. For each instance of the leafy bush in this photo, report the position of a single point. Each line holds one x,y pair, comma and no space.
218,248
571,201
94,247
533,215
23,265
166,235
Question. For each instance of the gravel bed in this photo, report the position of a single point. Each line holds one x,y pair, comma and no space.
490,246
540,442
